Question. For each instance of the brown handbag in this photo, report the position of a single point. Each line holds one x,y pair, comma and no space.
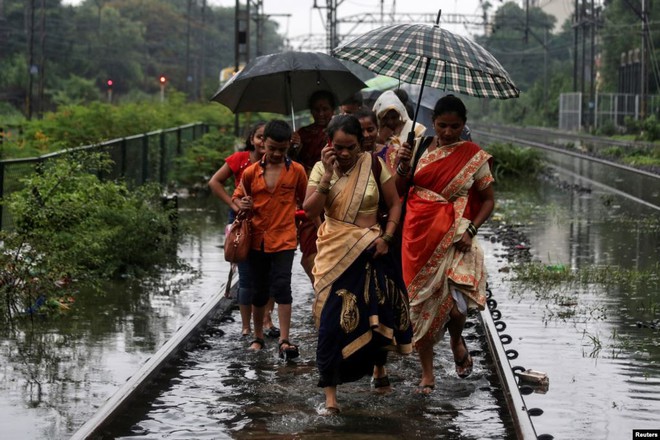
237,241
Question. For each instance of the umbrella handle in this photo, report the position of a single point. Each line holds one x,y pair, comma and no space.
290,93
411,137
421,89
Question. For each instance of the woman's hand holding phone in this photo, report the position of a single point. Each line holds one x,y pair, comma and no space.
329,158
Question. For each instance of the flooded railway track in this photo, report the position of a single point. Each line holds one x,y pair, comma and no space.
637,185
204,383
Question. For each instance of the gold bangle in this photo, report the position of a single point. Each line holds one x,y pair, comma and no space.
387,238
322,189
396,222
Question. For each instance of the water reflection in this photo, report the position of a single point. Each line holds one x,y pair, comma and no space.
56,372
603,368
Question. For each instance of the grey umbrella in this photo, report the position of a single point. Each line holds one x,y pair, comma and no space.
283,83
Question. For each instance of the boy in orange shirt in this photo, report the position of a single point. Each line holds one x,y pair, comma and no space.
273,188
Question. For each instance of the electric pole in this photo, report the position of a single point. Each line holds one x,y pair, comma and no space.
644,77
241,44
31,66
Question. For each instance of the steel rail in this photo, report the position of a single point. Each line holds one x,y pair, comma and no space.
217,305
561,150
515,404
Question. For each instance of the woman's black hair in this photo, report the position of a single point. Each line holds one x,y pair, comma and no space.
277,130
366,113
450,104
349,124
248,140
322,94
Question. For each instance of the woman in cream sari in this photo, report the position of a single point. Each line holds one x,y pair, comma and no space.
443,267
361,305
393,127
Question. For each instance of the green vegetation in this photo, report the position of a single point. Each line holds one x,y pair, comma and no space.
541,274
70,228
77,125
513,161
635,157
202,158
79,48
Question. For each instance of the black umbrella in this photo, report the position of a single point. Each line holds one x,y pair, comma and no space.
283,83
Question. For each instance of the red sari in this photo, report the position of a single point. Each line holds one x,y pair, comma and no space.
441,203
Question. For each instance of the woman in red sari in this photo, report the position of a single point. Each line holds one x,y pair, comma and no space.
449,197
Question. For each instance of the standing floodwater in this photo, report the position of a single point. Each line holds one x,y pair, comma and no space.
603,367
223,390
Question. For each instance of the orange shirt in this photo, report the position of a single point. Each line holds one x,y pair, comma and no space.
274,211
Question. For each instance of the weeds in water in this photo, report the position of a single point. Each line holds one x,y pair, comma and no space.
515,161
596,344
561,288
539,274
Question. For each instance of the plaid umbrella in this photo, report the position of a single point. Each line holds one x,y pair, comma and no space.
454,62
430,56
283,82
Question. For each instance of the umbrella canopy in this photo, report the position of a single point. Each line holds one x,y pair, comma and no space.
455,63
283,82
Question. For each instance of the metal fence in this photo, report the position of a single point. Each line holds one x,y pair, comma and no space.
570,111
607,109
137,159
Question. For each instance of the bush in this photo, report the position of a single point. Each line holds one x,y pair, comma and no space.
202,158
76,125
651,128
68,225
606,129
514,161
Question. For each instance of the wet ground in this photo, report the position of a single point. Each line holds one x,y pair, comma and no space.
55,373
225,391
595,342
598,342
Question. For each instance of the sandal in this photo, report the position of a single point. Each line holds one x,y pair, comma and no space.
464,366
272,332
259,342
290,352
425,390
246,332
381,382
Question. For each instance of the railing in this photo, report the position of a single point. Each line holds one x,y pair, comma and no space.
137,159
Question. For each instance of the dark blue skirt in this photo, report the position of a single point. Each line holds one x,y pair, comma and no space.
358,328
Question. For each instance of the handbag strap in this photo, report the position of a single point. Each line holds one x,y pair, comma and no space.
246,215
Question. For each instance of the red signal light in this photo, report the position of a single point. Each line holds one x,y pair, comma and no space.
109,82
163,80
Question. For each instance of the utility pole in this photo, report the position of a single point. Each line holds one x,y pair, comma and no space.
202,55
241,44
331,39
592,77
42,57
576,30
31,66
259,22
331,26
188,73
643,68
